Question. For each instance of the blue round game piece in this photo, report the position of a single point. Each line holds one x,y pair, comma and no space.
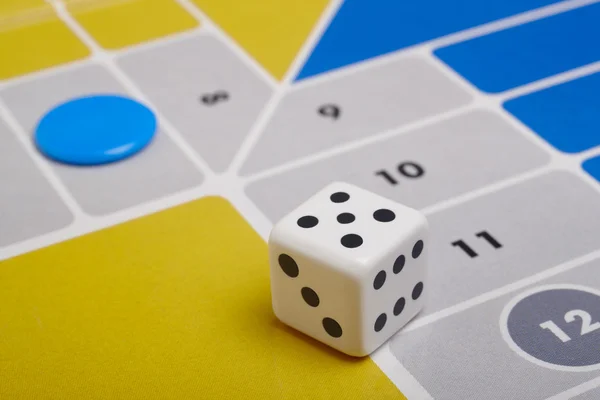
95,130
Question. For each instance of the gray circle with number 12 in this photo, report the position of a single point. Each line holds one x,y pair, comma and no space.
556,326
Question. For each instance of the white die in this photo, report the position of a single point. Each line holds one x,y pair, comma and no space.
349,267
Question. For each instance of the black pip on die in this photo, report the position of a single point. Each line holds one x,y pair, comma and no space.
349,267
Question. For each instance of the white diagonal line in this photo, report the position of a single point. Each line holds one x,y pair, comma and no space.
577,390
269,109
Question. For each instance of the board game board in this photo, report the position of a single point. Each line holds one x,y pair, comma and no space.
148,278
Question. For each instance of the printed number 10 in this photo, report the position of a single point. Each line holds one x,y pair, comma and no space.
586,324
407,169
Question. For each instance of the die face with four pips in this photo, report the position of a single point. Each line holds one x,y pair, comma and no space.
349,267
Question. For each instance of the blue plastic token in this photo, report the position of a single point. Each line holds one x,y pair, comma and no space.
95,130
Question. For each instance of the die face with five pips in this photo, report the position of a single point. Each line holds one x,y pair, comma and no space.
349,267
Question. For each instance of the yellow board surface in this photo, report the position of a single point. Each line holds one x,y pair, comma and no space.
271,31
115,24
32,38
13,6
174,305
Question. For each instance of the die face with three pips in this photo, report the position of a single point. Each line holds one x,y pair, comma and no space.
349,267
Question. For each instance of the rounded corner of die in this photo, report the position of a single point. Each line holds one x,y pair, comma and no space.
425,224
360,351
334,183
276,309
272,236
339,185
422,221
275,234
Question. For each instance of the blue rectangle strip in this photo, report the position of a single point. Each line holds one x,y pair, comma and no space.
507,59
363,29
567,115
592,167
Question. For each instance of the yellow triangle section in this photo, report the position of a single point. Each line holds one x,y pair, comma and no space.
271,31
174,305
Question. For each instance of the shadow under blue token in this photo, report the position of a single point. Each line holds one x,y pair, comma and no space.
94,130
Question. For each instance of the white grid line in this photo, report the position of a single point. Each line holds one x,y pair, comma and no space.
545,83
577,390
82,226
160,42
232,188
481,100
41,163
358,143
45,73
228,41
486,190
443,41
591,153
569,162
256,131
107,60
503,290
398,374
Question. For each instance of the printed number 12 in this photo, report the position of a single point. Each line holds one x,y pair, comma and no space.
586,325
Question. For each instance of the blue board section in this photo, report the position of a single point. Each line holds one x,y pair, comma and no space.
567,115
364,29
523,54
95,130
592,167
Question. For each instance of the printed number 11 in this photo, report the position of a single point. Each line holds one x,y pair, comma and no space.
470,252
